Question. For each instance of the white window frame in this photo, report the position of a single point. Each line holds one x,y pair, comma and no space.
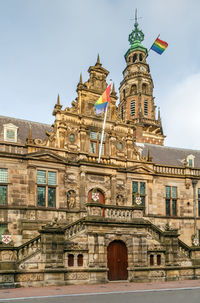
10,127
188,158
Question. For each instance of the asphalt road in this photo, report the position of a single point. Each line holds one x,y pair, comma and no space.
157,296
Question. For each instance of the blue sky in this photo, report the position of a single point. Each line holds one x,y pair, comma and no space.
46,44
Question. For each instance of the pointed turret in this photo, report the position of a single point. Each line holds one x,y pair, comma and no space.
98,61
29,140
81,81
57,106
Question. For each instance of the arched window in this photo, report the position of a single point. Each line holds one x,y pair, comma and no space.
124,93
151,260
132,108
134,58
133,89
141,57
158,259
80,260
146,108
144,88
70,260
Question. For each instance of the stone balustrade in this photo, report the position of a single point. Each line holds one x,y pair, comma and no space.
114,212
27,249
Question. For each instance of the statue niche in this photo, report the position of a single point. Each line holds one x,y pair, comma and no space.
71,199
120,200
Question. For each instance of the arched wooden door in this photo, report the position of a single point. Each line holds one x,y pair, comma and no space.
117,261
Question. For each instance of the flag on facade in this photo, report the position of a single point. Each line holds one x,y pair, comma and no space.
102,102
159,46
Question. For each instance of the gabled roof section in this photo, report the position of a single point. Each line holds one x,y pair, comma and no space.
140,169
46,156
38,129
169,155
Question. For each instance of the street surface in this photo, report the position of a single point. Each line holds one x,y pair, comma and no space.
124,292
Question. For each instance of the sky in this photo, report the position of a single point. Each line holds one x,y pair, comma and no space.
46,44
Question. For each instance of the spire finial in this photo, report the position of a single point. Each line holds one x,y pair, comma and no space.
113,89
30,133
136,35
81,81
98,59
29,140
158,113
136,16
58,100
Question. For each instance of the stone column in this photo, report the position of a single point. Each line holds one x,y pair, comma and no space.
82,193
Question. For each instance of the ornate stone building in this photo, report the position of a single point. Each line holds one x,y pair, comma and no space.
65,218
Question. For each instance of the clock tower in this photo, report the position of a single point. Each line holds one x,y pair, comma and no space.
136,93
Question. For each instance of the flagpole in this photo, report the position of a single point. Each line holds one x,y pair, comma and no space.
102,134
153,43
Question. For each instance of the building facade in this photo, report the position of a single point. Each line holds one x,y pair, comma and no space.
65,218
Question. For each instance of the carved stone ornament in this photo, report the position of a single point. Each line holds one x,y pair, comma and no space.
71,199
95,196
120,200
6,239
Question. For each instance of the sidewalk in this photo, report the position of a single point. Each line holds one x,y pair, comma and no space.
94,288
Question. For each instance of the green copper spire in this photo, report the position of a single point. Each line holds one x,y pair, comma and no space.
135,38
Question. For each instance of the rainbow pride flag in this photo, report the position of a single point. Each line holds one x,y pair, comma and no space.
102,102
159,46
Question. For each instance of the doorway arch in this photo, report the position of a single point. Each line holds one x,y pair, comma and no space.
117,258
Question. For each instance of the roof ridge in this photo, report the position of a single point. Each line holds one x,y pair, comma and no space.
25,120
171,147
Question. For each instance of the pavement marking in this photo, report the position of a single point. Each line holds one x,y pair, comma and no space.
101,293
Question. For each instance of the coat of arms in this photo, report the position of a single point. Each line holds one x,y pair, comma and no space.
95,196
138,200
6,239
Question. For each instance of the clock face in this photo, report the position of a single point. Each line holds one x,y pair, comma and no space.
143,69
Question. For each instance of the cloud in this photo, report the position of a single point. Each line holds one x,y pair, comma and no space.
181,113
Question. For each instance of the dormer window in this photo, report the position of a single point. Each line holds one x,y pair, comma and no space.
10,132
190,160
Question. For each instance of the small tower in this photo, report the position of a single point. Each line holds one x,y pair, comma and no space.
136,92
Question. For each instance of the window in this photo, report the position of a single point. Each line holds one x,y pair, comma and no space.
171,200
124,93
3,186
134,58
146,108
3,229
80,260
46,188
70,260
72,137
95,142
144,88
151,260
10,132
190,160
122,112
141,57
158,259
138,190
133,89
120,145
132,108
